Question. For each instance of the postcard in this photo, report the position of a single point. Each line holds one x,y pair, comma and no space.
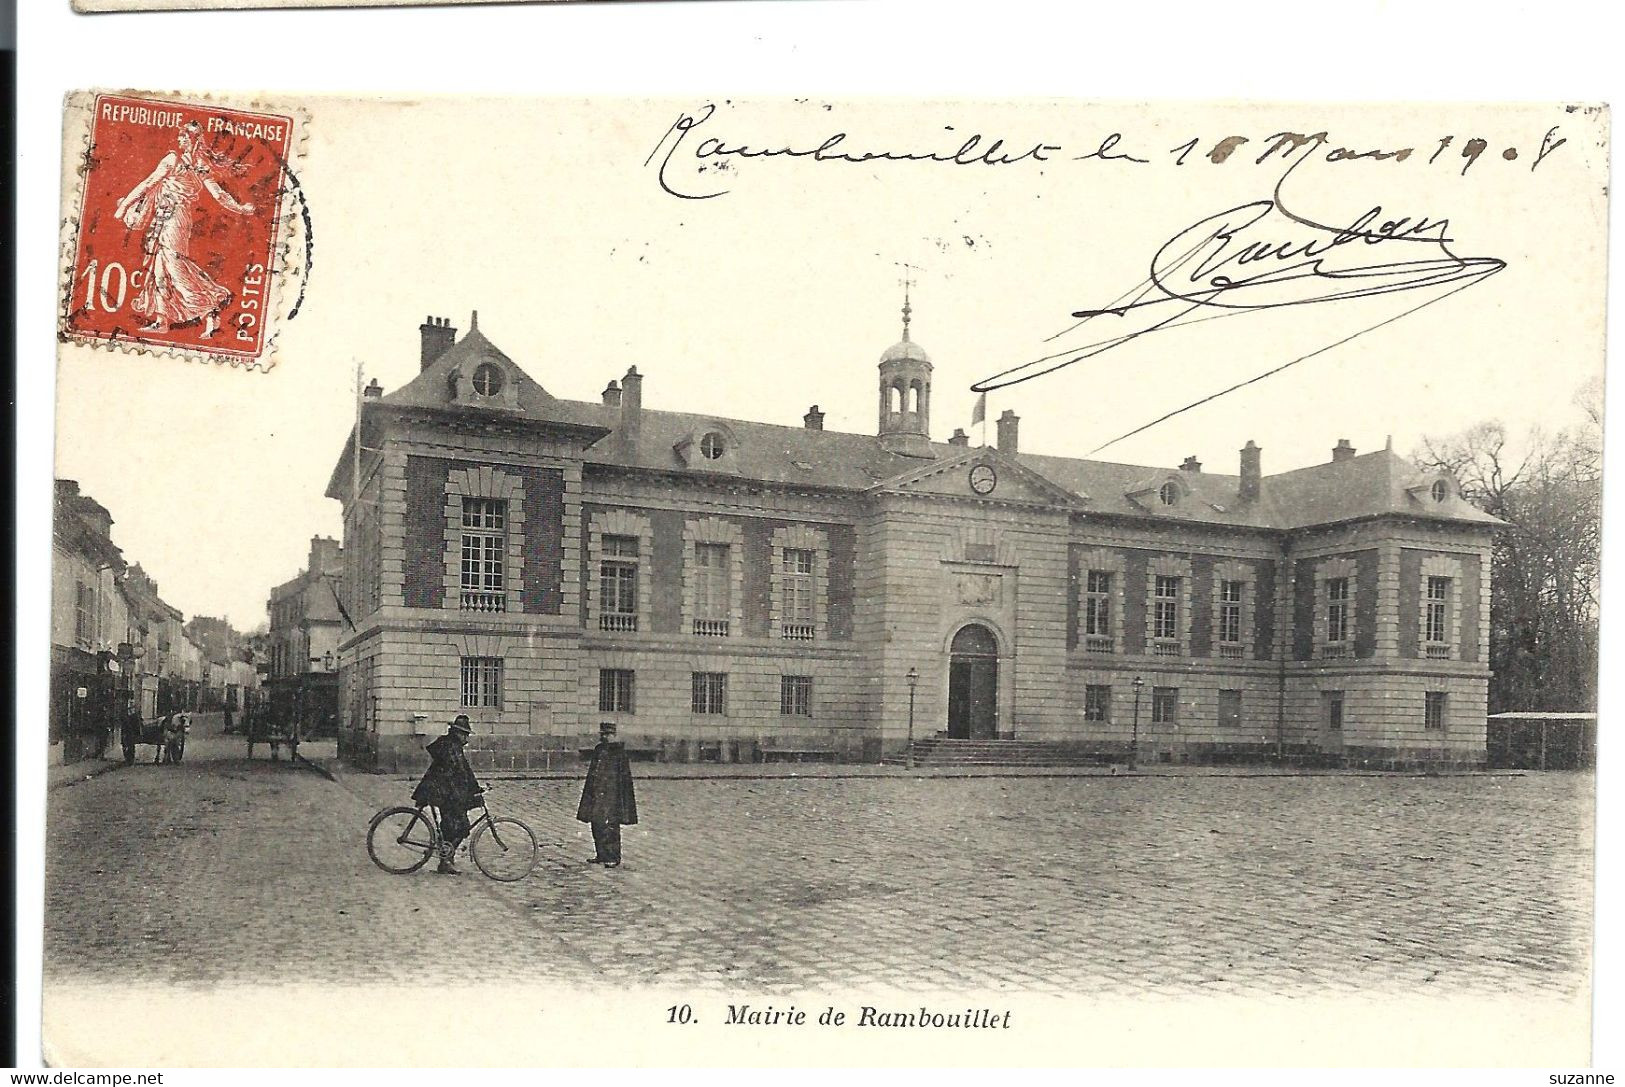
824,582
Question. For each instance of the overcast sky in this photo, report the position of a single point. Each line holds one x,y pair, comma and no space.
784,292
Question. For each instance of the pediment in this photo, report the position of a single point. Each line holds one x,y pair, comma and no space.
981,474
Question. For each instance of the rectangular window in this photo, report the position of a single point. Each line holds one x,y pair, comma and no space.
713,590
795,696
1097,702
1164,705
1337,610
84,615
709,692
618,584
1097,611
1165,615
615,690
482,682
1438,610
797,621
1434,711
1230,593
485,550
1334,710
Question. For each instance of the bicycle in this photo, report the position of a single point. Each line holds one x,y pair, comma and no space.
401,840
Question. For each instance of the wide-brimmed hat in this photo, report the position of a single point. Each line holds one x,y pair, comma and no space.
461,725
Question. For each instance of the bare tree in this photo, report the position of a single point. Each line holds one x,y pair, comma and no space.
1545,564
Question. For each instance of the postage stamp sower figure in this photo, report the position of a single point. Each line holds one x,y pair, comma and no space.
180,216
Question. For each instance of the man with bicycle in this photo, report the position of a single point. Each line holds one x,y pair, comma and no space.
450,785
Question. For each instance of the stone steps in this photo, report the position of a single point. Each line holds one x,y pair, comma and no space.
944,752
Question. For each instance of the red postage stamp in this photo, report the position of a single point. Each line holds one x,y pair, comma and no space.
179,243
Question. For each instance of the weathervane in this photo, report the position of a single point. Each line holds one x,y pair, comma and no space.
907,283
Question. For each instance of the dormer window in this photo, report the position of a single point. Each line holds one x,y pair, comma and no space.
488,379
1169,494
710,446
1441,490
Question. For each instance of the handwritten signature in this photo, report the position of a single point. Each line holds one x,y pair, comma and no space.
1261,255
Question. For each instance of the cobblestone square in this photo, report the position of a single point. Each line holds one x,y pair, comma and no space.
225,870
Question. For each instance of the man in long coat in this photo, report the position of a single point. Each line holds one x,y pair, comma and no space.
130,729
450,785
607,800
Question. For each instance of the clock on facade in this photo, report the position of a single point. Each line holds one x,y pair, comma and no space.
983,478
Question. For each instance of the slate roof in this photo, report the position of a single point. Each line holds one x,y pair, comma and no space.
763,451
1361,486
1211,499
1375,483
428,389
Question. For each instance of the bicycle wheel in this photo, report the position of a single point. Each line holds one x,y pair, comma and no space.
401,840
504,849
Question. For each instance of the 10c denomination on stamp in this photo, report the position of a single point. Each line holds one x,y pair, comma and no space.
180,242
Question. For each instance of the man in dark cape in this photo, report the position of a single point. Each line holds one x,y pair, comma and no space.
607,800
450,785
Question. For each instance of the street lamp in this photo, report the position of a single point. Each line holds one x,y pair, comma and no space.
1134,747
913,679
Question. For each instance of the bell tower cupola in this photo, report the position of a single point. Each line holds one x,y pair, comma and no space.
905,394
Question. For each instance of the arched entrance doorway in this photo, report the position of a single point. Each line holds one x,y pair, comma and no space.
973,684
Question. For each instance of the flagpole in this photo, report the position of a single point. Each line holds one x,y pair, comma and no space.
355,472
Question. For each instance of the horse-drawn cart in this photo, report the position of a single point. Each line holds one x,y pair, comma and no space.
266,729
167,735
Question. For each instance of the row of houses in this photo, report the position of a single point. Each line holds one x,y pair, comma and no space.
116,644
306,623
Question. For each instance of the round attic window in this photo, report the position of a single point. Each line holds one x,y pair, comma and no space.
1169,493
488,379
1441,490
711,446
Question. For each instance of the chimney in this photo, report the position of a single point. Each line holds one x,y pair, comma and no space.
438,335
373,390
1252,471
960,438
1007,432
1191,465
325,554
814,419
631,407
612,394
1342,451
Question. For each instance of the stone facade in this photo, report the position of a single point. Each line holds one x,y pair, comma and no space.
305,622
730,590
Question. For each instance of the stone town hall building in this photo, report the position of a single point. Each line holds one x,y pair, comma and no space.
733,590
